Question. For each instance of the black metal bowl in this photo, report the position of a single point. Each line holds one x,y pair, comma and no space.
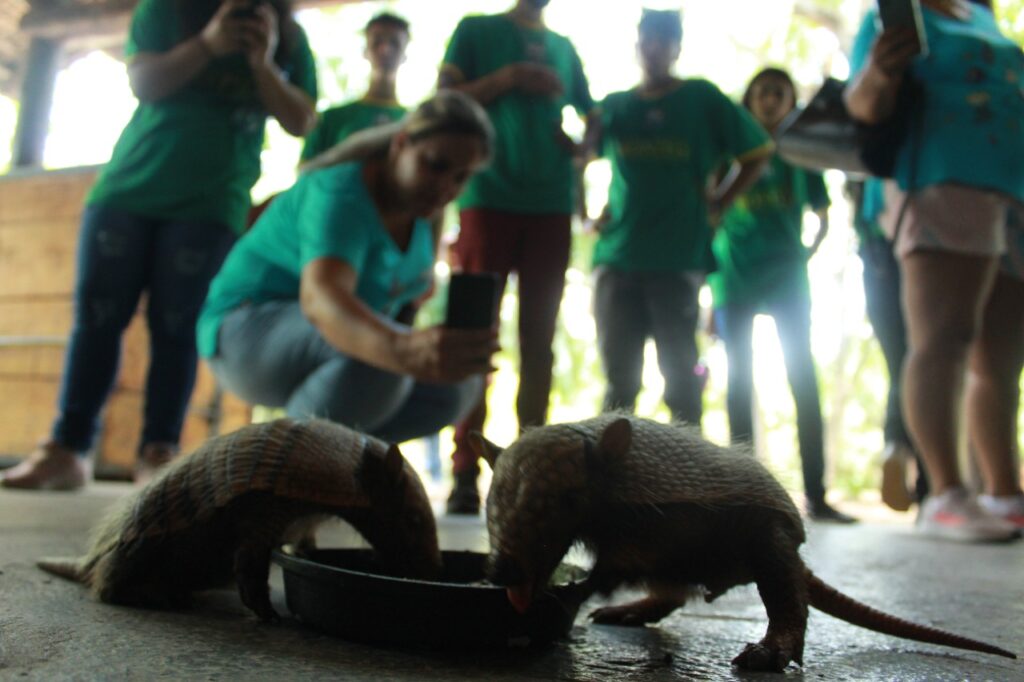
342,592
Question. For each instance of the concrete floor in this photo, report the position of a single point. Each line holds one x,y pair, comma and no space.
51,630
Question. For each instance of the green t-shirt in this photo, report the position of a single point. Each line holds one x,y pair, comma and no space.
663,149
337,123
327,212
193,155
531,172
759,250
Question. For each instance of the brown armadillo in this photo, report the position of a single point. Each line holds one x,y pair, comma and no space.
217,514
660,506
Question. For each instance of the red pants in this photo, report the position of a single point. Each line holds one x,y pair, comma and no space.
536,248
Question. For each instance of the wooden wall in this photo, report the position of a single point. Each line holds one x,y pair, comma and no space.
39,215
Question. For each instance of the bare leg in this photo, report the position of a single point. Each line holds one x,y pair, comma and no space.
943,297
993,386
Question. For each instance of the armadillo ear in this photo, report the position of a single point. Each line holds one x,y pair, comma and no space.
382,472
393,463
616,438
484,448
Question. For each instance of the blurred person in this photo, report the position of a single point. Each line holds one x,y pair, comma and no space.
664,138
882,301
387,36
762,268
960,175
516,215
166,209
302,315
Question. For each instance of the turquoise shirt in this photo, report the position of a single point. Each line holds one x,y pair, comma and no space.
195,154
326,213
973,121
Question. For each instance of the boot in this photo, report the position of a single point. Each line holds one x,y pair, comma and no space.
464,499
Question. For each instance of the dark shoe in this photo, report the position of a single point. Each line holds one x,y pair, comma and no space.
464,499
49,467
154,457
820,510
894,476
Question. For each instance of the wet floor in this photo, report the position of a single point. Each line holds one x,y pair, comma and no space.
52,630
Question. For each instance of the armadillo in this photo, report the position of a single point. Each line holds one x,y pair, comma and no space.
660,506
218,513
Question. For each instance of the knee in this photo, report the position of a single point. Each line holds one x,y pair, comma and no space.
102,312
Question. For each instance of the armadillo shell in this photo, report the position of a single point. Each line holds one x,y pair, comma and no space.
673,463
309,461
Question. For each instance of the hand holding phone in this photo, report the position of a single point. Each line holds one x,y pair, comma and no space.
904,14
472,300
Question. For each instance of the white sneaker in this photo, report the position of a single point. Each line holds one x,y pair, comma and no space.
1007,507
955,515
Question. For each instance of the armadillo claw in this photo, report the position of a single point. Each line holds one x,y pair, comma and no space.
763,657
617,615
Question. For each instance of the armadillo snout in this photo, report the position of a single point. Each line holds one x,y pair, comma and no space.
503,569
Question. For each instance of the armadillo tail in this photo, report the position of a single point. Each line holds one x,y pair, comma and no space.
66,567
828,599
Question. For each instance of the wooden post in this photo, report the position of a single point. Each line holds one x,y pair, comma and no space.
36,100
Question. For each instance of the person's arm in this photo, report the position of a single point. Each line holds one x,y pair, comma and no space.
328,299
871,95
293,108
154,75
526,77
743,173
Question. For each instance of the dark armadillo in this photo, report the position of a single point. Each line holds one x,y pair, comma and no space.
660,506
217,514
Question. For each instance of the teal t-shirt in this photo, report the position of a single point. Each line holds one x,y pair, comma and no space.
758,247
337,123
530,172
972,128
326,213
662,150
195,154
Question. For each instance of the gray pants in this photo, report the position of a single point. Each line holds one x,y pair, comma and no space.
270,354
629,308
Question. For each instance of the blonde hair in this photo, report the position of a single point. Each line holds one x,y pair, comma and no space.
447,112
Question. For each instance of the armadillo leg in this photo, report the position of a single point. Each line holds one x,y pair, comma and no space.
779,574
650,609
252,572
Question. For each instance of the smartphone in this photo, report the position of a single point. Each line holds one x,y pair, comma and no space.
899,13
245,11
472,300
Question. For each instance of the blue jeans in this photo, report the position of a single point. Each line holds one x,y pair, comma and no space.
270,354
121,255
630,307
793,322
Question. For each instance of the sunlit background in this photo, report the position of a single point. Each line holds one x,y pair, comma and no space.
725,41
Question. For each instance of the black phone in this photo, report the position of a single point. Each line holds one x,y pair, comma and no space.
904,13
245,11
472,300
